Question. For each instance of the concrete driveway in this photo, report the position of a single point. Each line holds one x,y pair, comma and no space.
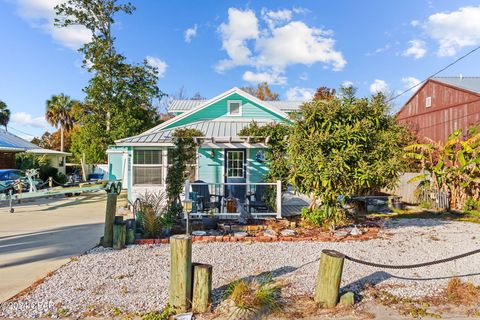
41,236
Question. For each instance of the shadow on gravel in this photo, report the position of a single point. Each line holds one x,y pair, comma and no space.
53,244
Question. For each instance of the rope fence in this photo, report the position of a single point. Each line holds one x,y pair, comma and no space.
410,266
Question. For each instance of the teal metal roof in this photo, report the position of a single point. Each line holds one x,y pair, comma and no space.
467,83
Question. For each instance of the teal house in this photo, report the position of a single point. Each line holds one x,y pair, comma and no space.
223,157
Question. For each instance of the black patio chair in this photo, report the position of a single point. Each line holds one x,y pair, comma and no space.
205,200
259,201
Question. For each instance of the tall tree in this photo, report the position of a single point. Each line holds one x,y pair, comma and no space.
343,147
262,92
4,114
119,96
324,93
58,114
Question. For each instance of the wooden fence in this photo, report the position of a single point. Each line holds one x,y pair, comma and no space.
405,189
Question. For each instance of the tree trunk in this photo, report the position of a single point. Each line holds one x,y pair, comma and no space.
61,138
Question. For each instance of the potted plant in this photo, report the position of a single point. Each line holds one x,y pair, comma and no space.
210,221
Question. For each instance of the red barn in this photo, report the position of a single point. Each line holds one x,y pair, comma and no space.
441,106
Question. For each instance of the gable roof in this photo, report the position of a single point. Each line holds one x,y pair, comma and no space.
206,103
186,105
13,143
466,83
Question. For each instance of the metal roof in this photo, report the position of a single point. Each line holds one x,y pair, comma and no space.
210,129
467,83
11,142
185,105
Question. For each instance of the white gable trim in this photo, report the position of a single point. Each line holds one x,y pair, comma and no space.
215,99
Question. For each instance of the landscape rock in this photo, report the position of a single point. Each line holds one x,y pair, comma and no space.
240,234
270,233
347,299
287,233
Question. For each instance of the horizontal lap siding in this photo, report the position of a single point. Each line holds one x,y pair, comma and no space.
257,170
219,110
210,169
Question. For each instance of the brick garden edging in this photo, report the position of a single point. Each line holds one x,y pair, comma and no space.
371,234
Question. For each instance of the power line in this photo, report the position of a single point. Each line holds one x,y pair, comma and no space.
433,75
23,132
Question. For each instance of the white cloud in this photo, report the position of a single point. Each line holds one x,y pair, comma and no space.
27,119
379,86
414,23
303,76
299,94
241,26
409,82
190,33
454,30
270,77
159,64
273,18
416,50
347,83
40,14
284,43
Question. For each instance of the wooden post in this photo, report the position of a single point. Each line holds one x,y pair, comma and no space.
130,236
202,288
119,236
329,278
109,219
180,289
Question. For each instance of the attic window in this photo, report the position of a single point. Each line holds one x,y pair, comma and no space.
428,102
234,108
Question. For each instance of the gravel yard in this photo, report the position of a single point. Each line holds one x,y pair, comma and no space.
136,279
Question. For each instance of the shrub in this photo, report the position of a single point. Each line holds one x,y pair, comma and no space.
150,222
260,295
324,216
471,204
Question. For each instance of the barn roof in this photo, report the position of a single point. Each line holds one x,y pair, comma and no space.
467,83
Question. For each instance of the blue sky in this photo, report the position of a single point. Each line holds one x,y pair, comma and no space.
211,46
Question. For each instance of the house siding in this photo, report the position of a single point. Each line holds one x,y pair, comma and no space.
210,169
451,109
219,110
257,170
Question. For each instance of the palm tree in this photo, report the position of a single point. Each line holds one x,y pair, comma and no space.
58,113
4,114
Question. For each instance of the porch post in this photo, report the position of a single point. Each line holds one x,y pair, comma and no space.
279,199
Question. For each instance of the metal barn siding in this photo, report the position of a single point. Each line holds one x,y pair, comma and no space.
451,108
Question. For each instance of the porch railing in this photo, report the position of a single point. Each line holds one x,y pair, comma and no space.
261,199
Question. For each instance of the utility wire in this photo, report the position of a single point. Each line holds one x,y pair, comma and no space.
433,75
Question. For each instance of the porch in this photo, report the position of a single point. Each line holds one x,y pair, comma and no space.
234,200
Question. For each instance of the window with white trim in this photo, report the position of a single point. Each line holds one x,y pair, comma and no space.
428,102
147,167
234,108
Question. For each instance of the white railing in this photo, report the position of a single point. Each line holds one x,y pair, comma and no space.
232,199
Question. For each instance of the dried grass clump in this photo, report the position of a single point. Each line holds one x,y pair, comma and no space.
256,296
462,293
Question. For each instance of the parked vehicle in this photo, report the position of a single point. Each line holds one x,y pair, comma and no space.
14,179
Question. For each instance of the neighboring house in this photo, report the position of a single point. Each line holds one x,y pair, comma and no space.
441,106
223,156
11,144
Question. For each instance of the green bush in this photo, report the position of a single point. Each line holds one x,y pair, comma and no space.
471,204
324,216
